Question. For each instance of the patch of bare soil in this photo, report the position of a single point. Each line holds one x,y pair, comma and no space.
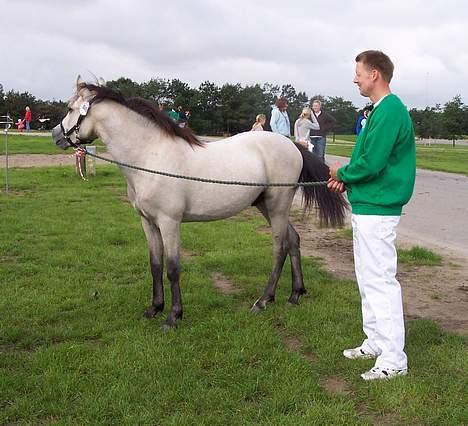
223,284
294,344
335,385
42,160
439,293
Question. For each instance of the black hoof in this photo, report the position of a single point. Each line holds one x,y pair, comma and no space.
294,298
152,311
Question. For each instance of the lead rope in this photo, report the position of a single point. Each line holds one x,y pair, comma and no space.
199,179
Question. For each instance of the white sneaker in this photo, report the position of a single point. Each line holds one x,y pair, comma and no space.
377,373
357,353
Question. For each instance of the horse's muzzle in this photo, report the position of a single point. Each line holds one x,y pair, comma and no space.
59,138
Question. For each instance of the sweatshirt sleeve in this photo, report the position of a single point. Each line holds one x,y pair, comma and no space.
273,120
381,136
314,124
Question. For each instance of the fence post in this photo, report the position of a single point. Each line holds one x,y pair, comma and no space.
91,161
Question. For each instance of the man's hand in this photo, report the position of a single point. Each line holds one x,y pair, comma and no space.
335,185
334,170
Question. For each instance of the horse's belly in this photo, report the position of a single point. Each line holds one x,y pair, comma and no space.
219,204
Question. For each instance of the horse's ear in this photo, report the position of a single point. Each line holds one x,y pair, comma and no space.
101,81
79,81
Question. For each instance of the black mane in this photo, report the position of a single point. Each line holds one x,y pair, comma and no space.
145,108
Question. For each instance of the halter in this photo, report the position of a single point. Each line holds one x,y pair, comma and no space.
84,109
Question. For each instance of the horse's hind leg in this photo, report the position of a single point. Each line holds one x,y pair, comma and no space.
296,266
153,236
278,219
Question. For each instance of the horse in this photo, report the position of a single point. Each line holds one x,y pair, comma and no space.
136,133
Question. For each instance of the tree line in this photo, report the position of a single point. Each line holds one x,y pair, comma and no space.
232,108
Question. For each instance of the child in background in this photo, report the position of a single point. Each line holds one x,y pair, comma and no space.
20,125
260,120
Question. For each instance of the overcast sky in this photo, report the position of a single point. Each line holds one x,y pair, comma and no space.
309,44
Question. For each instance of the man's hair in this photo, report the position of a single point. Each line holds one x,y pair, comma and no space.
281,102
375,59
316,101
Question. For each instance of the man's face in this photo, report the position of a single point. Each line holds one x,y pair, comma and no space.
365,79
316,107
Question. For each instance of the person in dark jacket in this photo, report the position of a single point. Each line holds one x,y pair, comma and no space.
327,124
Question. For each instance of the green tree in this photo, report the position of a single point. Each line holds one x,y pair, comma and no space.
453,117
344,112
156,90
127,87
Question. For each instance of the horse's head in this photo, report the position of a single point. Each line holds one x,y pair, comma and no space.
74,130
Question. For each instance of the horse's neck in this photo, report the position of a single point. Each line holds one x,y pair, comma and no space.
127,135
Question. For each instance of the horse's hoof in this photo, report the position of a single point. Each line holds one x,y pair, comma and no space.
258,306
168,327
151,312
294,300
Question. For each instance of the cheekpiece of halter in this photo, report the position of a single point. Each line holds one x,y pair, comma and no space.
84,109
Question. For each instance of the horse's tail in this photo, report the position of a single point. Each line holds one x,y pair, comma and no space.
332,206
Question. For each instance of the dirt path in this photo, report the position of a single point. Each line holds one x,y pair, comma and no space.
439,293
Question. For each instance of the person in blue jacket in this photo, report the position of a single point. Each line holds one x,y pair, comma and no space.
279,121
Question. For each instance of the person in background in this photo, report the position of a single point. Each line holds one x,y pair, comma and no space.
174,115
327,124
279,121
260,121
379,180
182,117
20,125
302,127
28,118
362,119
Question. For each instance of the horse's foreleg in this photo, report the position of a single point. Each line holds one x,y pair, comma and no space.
296,266
279,227
155,244
170,231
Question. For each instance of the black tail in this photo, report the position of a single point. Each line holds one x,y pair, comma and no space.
332,206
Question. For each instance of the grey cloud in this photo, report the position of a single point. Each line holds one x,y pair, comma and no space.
308,44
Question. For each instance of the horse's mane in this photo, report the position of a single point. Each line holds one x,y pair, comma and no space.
145,108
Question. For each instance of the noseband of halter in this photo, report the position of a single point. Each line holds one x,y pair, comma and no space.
84,109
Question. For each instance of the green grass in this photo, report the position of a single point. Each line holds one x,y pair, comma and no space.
30,144
74,348
419,256
444,158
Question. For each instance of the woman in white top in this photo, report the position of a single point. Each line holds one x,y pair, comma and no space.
302,127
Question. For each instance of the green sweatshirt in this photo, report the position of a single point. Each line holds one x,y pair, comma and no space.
380,176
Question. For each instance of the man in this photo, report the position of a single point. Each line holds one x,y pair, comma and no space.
327,124
379,180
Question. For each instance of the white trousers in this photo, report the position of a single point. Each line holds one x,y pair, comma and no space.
375,261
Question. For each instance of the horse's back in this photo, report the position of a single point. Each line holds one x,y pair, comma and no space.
279,157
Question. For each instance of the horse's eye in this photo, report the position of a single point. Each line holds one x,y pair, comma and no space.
70,109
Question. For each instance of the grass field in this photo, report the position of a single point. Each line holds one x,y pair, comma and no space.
444,158
74,348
